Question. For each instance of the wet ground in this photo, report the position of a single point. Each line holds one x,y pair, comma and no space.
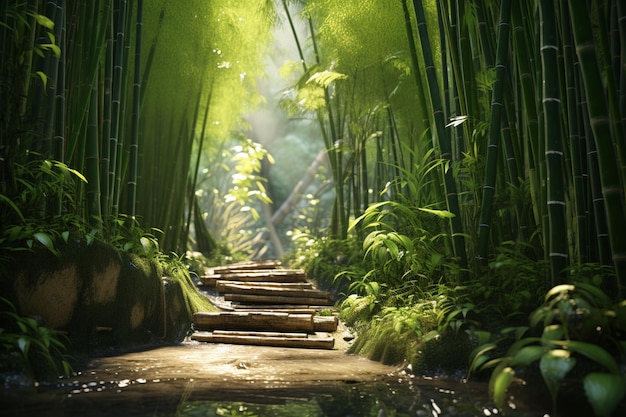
196,379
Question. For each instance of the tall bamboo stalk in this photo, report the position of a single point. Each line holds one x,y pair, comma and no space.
441,136
612,184
557,244
131,184
493,148
117,94
92,161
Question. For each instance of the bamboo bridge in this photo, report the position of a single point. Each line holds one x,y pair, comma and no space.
264,304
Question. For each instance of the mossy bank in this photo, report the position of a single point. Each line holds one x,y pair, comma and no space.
103,298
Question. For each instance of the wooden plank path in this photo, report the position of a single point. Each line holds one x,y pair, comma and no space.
268,306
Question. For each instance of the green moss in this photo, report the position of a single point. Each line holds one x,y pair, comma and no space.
182,299
447,353
385,345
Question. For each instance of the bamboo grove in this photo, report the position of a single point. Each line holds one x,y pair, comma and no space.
490,122
505,118
105,102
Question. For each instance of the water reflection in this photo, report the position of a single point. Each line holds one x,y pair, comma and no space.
220,380
396,396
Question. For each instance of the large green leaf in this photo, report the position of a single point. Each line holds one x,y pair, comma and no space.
604,392
554,365
45,240
595,353
501,383
527,355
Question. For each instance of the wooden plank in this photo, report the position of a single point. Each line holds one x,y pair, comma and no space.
276,309
219,284
275,299
211,280
281,307
260,321
309,343
263,273
275,291
246,266
258,334
325,323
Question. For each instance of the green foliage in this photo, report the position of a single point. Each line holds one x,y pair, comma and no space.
247,183
231,192
578,325
325,259
39,349
393,257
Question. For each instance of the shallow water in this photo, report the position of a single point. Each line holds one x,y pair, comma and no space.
195,379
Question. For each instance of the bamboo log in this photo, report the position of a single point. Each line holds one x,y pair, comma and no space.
220,284
259,334
261,272
275,291
246,266
275,309
211,280
259,321
325,323
326,342
276,299
281,307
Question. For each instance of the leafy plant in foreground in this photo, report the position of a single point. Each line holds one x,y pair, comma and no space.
42,350
579,325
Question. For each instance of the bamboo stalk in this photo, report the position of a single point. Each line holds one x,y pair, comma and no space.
489,187
442,138
557,244
612,185
134,142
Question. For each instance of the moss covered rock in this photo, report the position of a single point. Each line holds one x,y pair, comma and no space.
103,298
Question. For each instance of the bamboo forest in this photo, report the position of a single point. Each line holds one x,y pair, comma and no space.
446,179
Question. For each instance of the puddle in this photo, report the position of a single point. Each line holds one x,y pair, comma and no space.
196,379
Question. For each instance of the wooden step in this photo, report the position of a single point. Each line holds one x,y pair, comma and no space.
279,272
211,279
276,299
275,291
246,266
220,284
258,321
325,323
264,334
318,341
296,308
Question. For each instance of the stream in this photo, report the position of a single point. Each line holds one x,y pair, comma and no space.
196,379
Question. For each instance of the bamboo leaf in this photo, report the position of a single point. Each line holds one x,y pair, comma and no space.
44,21
324,78
43,77
444,214
45,240
501,383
